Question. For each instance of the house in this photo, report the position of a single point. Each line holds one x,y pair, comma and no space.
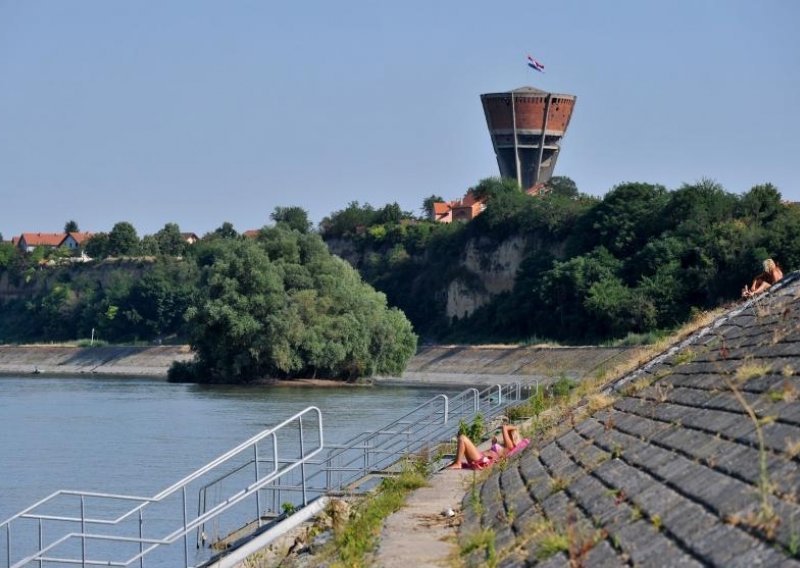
251,233
30,241
469,207
75,241
464,209
190,238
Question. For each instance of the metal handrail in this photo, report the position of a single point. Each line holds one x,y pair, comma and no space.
430,423
280,468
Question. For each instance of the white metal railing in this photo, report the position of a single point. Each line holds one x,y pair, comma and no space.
245,472
74,535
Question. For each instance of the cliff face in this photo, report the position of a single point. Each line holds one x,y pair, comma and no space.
488,270
484,269
45,277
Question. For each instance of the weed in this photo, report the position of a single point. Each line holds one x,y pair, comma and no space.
359,536
598,401
551,543
766,519
684,357
482,540
562,387
288,508
474,431
616,451
794,539
636,513
792,448
787,371
656,520
751,370
662,391
558,484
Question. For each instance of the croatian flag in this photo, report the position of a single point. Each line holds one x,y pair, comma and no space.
533,64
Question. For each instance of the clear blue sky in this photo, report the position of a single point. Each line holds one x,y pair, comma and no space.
201,112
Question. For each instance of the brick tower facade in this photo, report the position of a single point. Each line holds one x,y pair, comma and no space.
527,126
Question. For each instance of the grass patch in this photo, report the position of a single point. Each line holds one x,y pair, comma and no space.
482,541
751,370
359,536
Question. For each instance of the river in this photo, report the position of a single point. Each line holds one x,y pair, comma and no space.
138,436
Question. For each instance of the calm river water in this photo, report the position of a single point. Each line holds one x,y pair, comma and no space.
138,436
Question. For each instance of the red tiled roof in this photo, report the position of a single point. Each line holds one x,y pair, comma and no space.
80,238
441,208
251,233
43,239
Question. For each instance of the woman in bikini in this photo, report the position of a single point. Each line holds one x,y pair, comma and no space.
468,456
772,273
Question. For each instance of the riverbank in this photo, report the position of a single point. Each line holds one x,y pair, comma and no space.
151,361
434,366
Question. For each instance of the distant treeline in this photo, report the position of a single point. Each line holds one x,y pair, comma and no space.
638,260
278,305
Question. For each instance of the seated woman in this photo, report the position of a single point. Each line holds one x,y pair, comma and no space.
772,273
468,456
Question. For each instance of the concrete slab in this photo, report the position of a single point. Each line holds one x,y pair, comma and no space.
420,534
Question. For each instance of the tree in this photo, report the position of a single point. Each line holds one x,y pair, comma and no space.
490,188
629,215
71,227
292,217
562,186
283,306
97,246
123,240
170,241
427,206
225,231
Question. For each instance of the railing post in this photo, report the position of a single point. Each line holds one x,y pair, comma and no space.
41,540
141,536
446,408
303,462
258,491
185,535
83,531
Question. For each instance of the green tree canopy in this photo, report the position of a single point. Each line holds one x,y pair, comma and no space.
71,227
283,306
123,240
170,240
292,217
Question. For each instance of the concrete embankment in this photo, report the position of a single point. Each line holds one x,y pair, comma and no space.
435,366
107,360
455,365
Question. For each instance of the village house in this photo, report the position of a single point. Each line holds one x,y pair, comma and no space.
28,242
469,207
190,238
464,209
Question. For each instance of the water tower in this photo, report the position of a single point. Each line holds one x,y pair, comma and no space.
527,126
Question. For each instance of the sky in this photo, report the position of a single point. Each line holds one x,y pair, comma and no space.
197,112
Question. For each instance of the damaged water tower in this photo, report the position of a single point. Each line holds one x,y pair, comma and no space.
527,126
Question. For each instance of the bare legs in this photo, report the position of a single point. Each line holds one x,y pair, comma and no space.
466,451
510,437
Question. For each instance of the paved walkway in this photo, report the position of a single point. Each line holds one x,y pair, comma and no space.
421,534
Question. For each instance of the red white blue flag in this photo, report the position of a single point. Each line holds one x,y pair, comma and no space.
533,64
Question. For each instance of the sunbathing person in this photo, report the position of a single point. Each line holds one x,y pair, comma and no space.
772,273
468,456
